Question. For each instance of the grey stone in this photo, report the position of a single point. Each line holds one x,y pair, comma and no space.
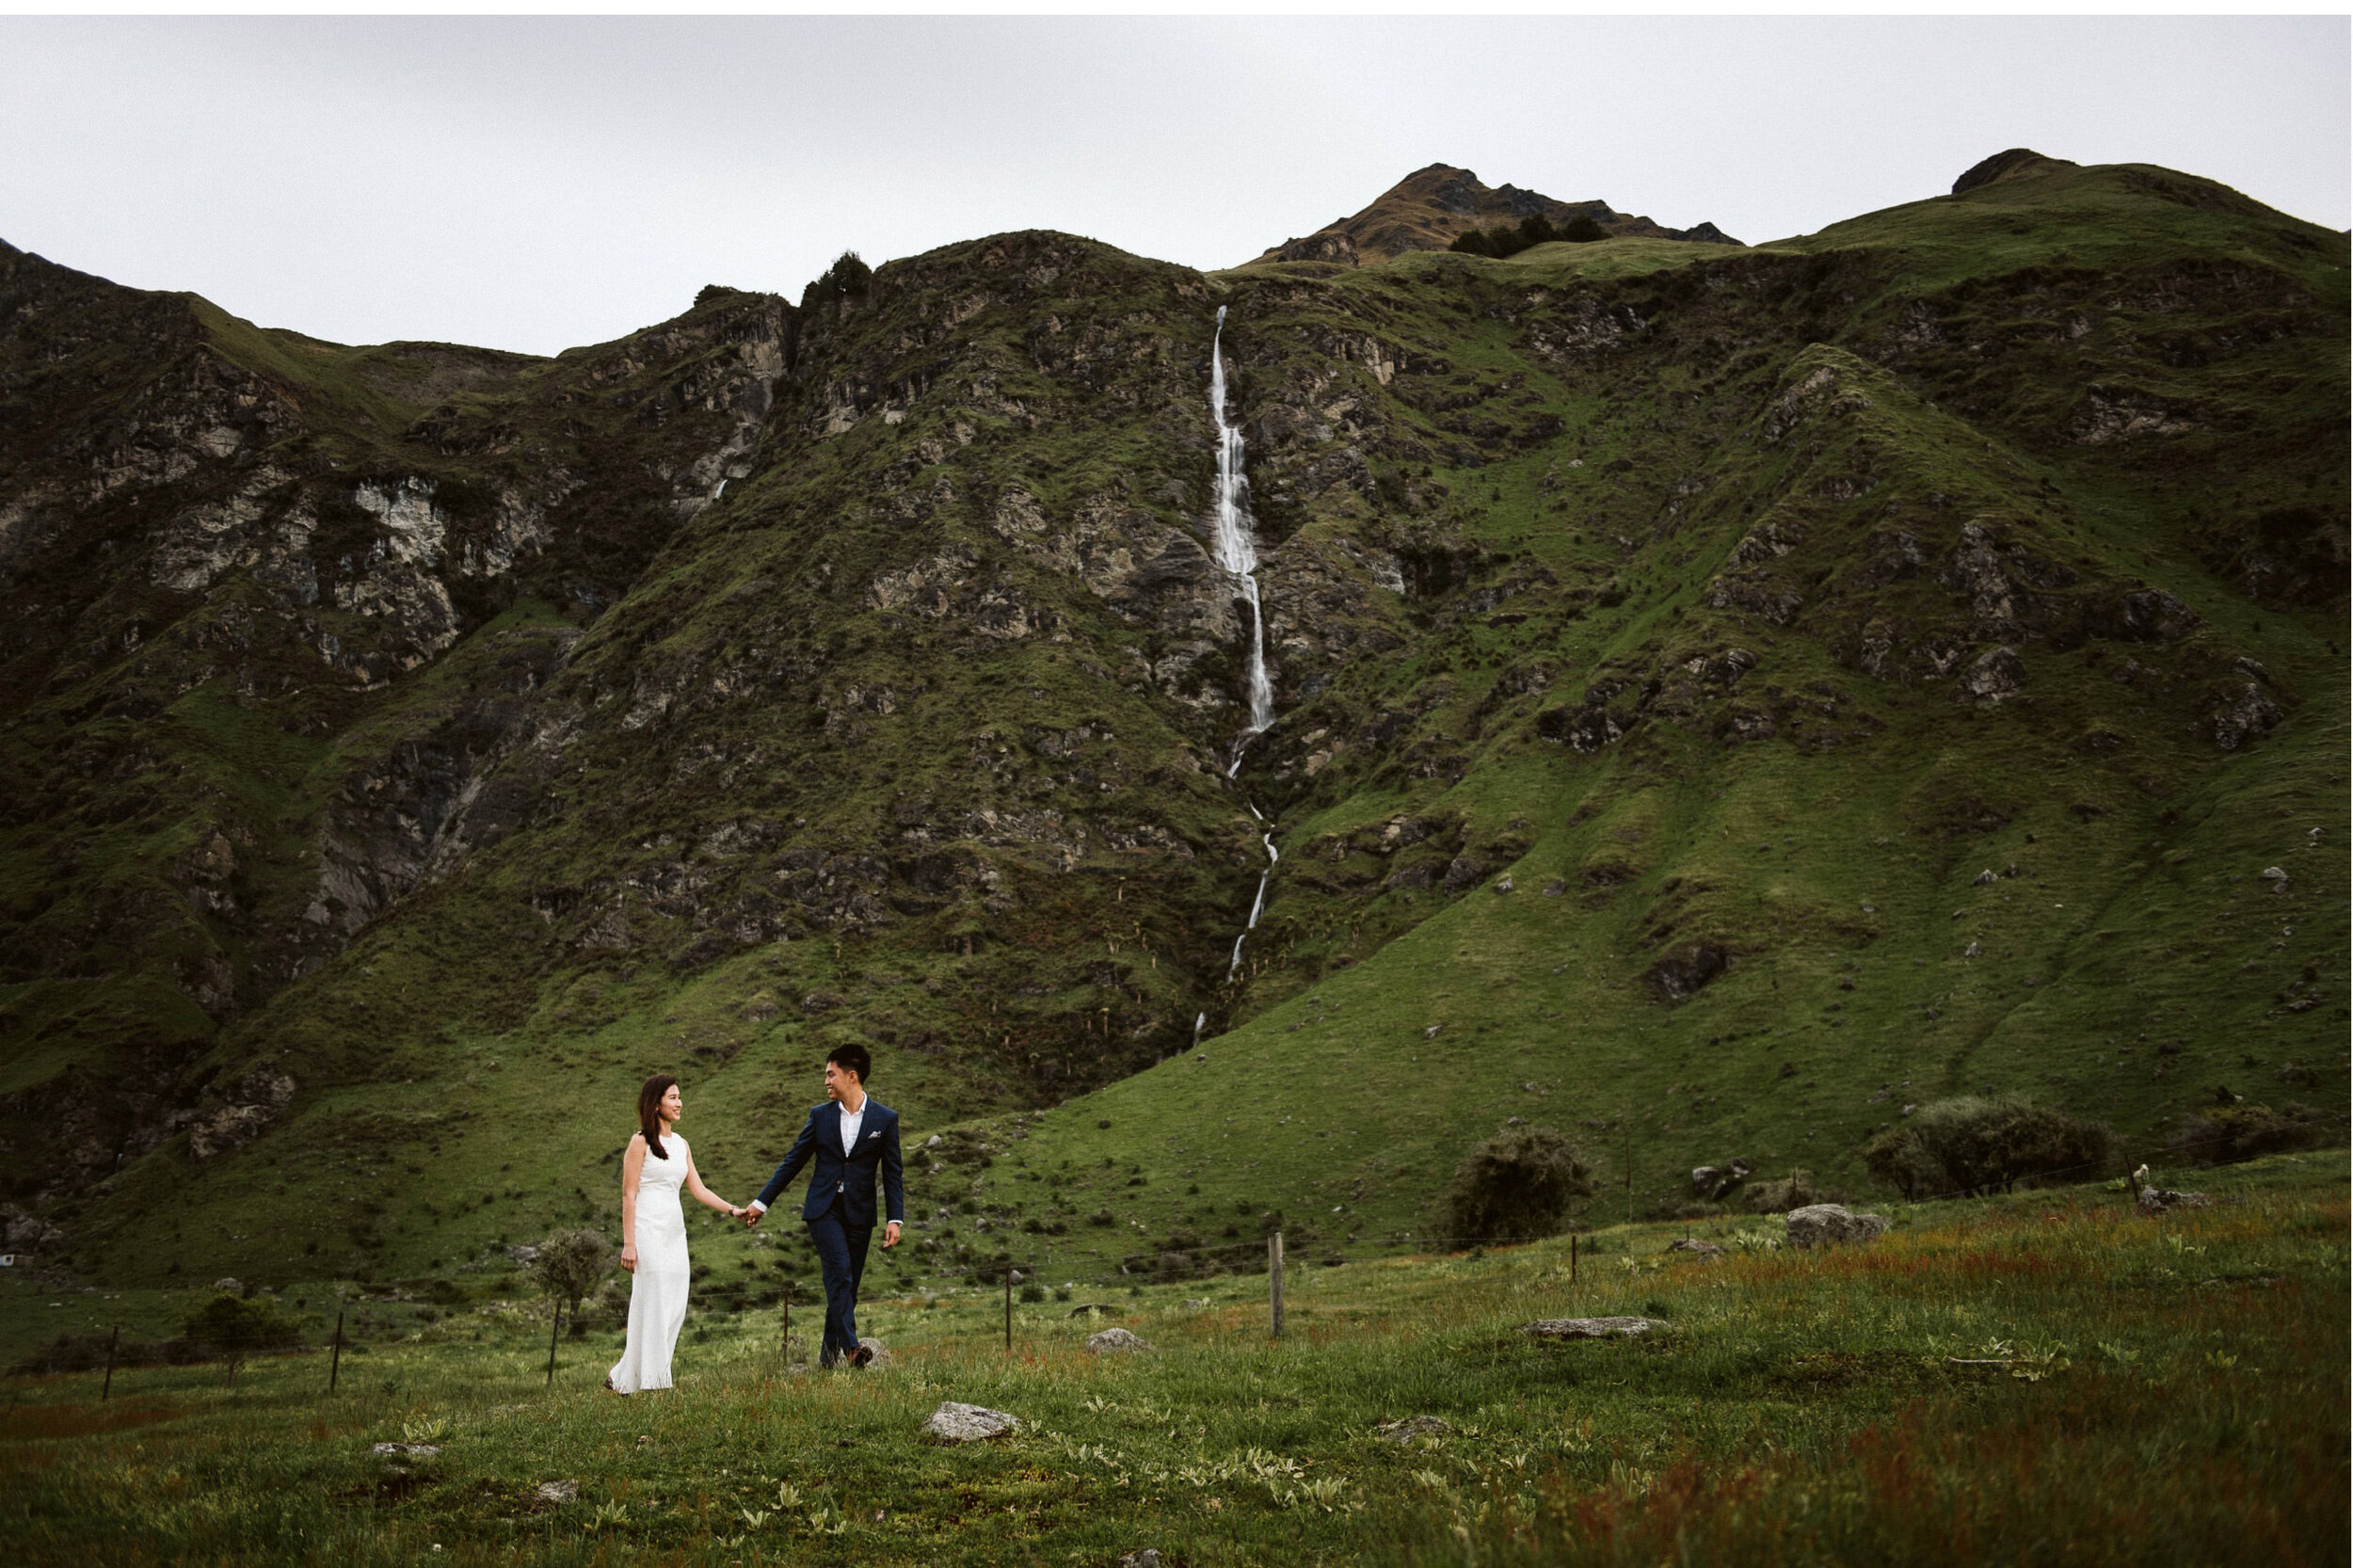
232,1287
1115,1341
405,1450
1590,1328
967,1423
559,1491
1693,1244
1823,1223
1411,1427
1148,1556
2159,1200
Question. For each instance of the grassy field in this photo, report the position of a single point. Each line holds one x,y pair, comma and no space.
2041,1378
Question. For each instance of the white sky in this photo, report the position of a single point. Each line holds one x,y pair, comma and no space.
535,183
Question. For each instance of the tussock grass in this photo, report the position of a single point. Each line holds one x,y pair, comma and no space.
2044,1378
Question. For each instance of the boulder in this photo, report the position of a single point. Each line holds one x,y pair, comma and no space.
967,1423
1411,1427
1115,1341
1824,1224
2160,1200
1590,1328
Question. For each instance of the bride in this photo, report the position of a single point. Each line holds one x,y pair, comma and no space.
656,1169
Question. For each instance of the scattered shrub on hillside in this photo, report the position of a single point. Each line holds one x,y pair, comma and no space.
235,1328
1535,229
2230,1133
87,1353
1520,1182
1794,1190
849,277
1975,1144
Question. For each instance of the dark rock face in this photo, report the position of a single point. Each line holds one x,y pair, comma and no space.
1686,970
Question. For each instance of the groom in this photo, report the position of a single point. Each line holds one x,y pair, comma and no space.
848,1137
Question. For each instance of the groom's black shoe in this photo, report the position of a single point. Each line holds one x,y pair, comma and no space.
862,1356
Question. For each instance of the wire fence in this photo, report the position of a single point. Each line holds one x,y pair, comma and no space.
231,1332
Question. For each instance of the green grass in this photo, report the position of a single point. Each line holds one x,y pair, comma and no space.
2005,1380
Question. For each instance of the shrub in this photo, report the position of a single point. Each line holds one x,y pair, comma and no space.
1582,229
571,1263
1975,1144
234,1328
2233,1132
1794,1190
1520,1182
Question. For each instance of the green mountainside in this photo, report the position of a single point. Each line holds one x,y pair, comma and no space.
1726,694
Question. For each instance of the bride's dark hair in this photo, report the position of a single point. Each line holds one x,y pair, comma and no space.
650,1111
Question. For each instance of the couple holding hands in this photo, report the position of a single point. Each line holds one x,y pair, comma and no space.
847,1140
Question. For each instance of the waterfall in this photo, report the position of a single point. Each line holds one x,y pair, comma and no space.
1237,547
1238,553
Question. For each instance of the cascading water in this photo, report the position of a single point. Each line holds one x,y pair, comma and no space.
1237,548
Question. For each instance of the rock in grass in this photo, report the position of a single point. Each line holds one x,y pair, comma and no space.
405,1450
1115,1341
1149,1557
2159,1200
1413,1426
1820,1224
1693,1244
559,1491
967,1423
882,1356
1590,1328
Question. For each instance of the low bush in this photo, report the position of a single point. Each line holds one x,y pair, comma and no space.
1518,1183
2230,1133
1794,1190
1973,1146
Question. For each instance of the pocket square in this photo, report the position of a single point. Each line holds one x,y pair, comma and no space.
873,1135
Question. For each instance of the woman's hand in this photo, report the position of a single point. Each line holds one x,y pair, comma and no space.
735,1211
628,1256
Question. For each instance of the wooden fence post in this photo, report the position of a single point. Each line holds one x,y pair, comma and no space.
1572,1261
335,1364
554,1328
107,1388
1275,1280
1008,1309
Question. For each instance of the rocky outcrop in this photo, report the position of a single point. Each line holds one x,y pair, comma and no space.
1824,1224
1431,207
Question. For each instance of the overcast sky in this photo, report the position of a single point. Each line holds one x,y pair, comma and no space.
540,184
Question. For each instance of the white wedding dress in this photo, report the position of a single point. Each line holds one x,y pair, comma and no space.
657,1291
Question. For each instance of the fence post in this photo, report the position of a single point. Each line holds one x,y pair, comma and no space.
1572,1261
788,1327
1008,1309
1274,1281
554,1328
109,1387
335,1363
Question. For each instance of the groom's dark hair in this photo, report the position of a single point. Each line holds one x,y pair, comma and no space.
853,1058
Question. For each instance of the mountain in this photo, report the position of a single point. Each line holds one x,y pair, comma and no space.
1432,207
1723,697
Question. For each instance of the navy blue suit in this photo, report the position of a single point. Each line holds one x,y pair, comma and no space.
840,1207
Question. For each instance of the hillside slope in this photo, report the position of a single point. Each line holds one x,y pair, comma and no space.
1667,639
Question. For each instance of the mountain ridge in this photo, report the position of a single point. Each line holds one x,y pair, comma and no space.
407,775
1435,205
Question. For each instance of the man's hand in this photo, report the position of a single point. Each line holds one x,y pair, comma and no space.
751,1217
890,1235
